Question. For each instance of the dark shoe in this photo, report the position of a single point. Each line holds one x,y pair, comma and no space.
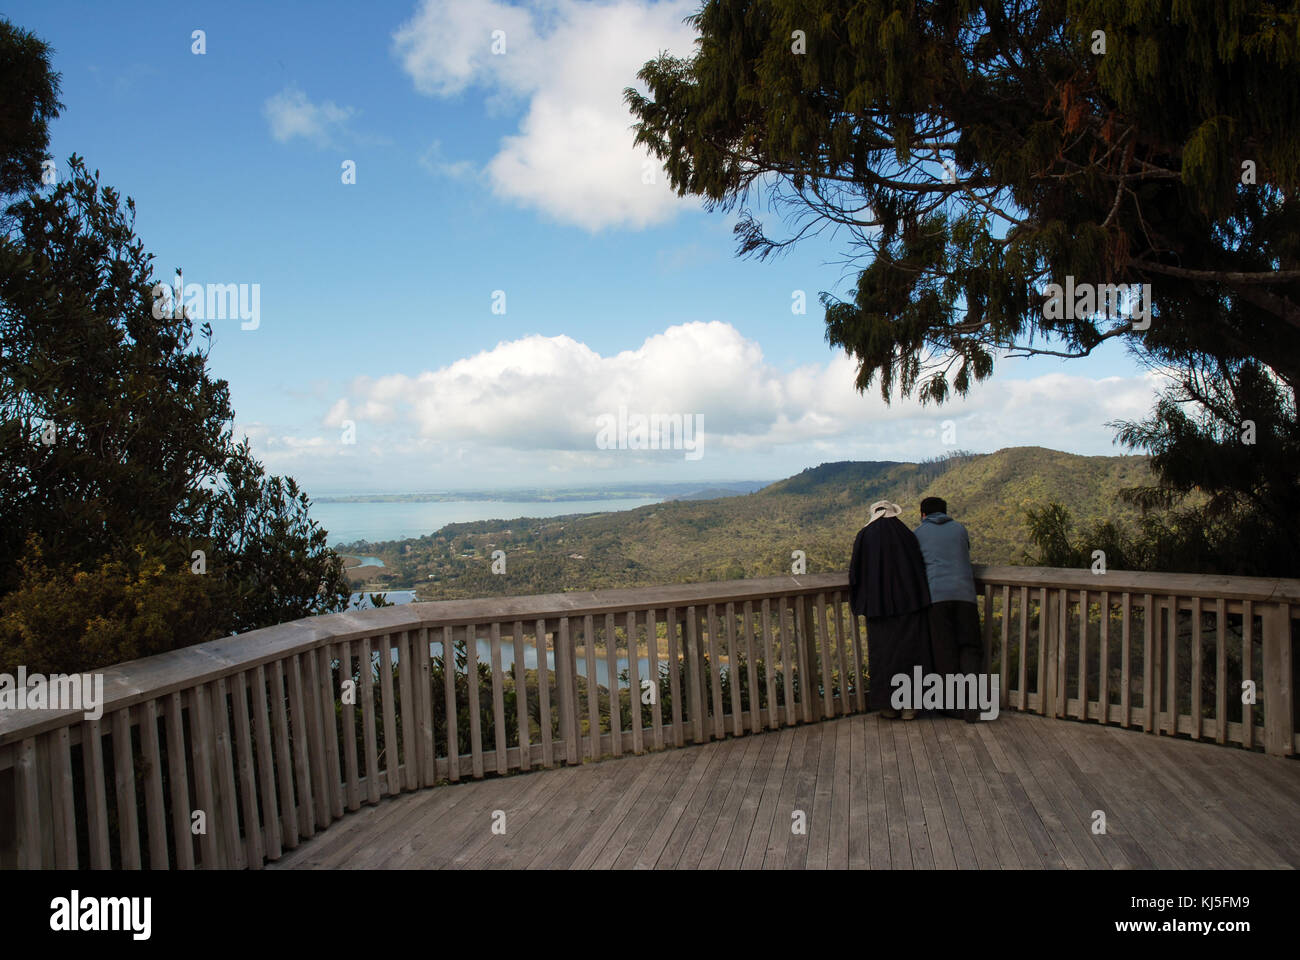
909,714
889,713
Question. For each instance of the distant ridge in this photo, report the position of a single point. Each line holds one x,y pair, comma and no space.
726,535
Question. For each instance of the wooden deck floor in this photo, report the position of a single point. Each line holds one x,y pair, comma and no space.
1016,792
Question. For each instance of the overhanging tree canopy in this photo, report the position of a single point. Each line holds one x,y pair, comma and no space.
976,152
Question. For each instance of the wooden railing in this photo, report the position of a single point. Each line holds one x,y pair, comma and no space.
227,753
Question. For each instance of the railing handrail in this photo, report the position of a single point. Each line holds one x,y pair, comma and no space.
136,681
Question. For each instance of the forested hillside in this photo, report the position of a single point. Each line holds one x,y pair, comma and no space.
818,511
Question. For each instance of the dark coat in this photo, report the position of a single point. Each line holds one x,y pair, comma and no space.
887,572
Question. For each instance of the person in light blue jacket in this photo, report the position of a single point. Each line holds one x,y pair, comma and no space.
954,618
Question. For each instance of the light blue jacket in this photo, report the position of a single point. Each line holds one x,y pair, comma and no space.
945,545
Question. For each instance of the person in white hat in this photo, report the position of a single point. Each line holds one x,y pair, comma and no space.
887,585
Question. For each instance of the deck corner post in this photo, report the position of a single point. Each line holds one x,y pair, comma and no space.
1279,703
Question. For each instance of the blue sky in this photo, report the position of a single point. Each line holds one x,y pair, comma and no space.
479,172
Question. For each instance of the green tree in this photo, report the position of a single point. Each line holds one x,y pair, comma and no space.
115,442
975,152
30,102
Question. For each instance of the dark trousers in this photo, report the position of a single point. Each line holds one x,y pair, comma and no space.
955,642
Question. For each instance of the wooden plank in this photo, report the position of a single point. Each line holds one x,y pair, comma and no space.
1004,665
611,670
652,653
593,685
265,766
1082,713
1220,672
498,698
1171,678
1247,673
1126,679
715,673
786,642
1279,716
392,758
769,665
314,709
634,683
28,806
475,716
351,777
370,738
329,722
128,823
566,691
574,710
1196,667
1103,667
300,734
179,781
1044,652
210,848
693,673
860,662
92,756
521,695
845,706
1062,654
823,641
63,810
410,753
449,703
674,676
289,832
805,655
987,625
254,849
1152,708
227,793
424,682
154,805
733,674
544,694
1023,682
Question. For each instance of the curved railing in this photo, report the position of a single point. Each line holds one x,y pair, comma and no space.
227,753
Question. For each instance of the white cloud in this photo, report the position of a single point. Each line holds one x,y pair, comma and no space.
573,155
540,397
291,114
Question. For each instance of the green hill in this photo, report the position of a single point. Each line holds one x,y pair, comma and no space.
818,511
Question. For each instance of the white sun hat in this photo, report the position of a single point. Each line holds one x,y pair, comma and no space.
883,508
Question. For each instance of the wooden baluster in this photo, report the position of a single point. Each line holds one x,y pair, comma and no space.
283,759
715,673
1126,677
28,807
63,813
210,848
128,822
634,684
1196,667
475,717
1247,673
652,653
733,674
1103,667
1044,653
845,706
544,693
1083,656
521,697
300,730
1004,666
312,707
859,662
769,663
693,663
1150,707
755,700
392,758
449,703
406,687
674,677
788,652
254,849
179,781
423,678
1279,718
1171,679
265,766
1023,676
611,670
498,700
